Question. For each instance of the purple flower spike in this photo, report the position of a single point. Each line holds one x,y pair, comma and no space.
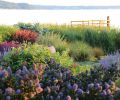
75,87
8,98
118,91
18,91
80,91
107,86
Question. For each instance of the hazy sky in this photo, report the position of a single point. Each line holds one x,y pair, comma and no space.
70,2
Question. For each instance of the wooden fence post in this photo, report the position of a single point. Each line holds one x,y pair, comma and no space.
108,22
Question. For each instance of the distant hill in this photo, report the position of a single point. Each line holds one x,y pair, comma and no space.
11,5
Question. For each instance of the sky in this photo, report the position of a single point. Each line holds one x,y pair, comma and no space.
69,2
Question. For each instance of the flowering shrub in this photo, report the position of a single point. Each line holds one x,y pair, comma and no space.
29,54
5,47
25,35
111,60
55,83
111,65
58,83
21,84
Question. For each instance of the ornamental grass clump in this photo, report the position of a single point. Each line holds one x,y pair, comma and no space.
80,51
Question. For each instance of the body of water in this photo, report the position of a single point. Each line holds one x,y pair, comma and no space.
9,17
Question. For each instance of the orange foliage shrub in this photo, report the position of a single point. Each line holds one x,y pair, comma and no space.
25,35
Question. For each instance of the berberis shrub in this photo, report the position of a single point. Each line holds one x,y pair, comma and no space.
25,35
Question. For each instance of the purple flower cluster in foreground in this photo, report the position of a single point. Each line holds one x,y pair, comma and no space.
54,82
24,83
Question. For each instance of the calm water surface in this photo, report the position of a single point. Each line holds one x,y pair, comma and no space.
57,16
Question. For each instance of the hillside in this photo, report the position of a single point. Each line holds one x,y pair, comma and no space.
11,5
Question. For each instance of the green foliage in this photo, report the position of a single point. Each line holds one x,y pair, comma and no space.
80,51
117,38
118,82
6,32
107,40
17,58
98,52
63,58
29,54
36,27
56,40
76,68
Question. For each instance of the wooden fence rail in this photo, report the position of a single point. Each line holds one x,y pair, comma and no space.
99,23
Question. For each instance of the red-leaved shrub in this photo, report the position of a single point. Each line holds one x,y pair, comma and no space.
25,35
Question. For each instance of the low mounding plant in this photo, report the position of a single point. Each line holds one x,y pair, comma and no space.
54,39
7,32
98,52
80,51
36,27
25,35
29,54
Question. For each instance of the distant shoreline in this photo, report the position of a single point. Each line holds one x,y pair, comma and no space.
25,6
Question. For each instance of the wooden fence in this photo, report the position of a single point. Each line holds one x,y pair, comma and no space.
98,23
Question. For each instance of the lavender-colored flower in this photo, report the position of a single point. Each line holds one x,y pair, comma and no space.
107,86
97,85
111,97
58,98
104,93
25,70
80,91
112,83
69,86
51,98
8,98
108,61
108,92
61,94
9,70
18,91
9,91
118,91
75,87
90,86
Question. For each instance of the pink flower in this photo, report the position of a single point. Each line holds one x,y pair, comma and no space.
39,90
